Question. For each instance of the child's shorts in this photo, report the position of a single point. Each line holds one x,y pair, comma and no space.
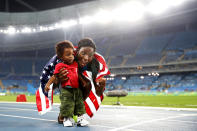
71,102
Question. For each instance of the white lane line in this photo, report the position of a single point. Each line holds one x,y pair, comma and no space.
184,121
21,109
117,107
32,118
25,103
148,107
149,121
8,102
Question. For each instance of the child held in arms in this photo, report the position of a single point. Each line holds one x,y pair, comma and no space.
71,96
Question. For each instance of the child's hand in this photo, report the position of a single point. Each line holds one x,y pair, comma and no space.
47,88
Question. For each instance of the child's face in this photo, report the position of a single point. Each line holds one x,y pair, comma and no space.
68,56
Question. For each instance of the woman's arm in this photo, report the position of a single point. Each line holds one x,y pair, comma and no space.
85,86
50,81
62,75
100,86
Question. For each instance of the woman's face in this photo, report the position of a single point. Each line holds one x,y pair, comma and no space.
85,55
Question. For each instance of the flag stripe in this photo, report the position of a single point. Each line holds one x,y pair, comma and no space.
102,61
47,102
44,104
88,111
93,90
94,100
38,101
43,100
91,105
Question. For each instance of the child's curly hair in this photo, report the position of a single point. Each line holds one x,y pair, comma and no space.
60,46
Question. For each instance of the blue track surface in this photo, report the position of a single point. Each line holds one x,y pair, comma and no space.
17,116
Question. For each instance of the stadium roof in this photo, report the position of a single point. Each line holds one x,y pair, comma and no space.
44,31
35,5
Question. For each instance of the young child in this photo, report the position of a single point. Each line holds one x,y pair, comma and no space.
71,96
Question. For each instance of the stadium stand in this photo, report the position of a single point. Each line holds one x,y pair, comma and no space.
190,54
173,55
171,82
119,51
183,40
143,59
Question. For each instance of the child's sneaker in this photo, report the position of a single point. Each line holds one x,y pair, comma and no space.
82,122
68,122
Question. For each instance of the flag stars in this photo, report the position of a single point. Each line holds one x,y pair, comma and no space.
44,72
51,64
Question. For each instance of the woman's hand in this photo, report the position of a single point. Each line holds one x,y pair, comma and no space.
100,86
101,82
62,75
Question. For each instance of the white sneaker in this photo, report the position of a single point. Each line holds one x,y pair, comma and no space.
68,122
81,121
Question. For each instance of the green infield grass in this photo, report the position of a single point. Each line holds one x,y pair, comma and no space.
181,101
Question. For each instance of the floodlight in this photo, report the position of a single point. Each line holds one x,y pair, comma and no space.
5,31
51,27
124,78
142,77
41,28
68,23
112,75
86,20
11,30
57,25
34,30
26,30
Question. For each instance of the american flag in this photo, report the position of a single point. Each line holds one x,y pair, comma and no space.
44,100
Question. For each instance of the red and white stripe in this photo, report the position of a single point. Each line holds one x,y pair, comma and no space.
93,101
44,104
103,69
